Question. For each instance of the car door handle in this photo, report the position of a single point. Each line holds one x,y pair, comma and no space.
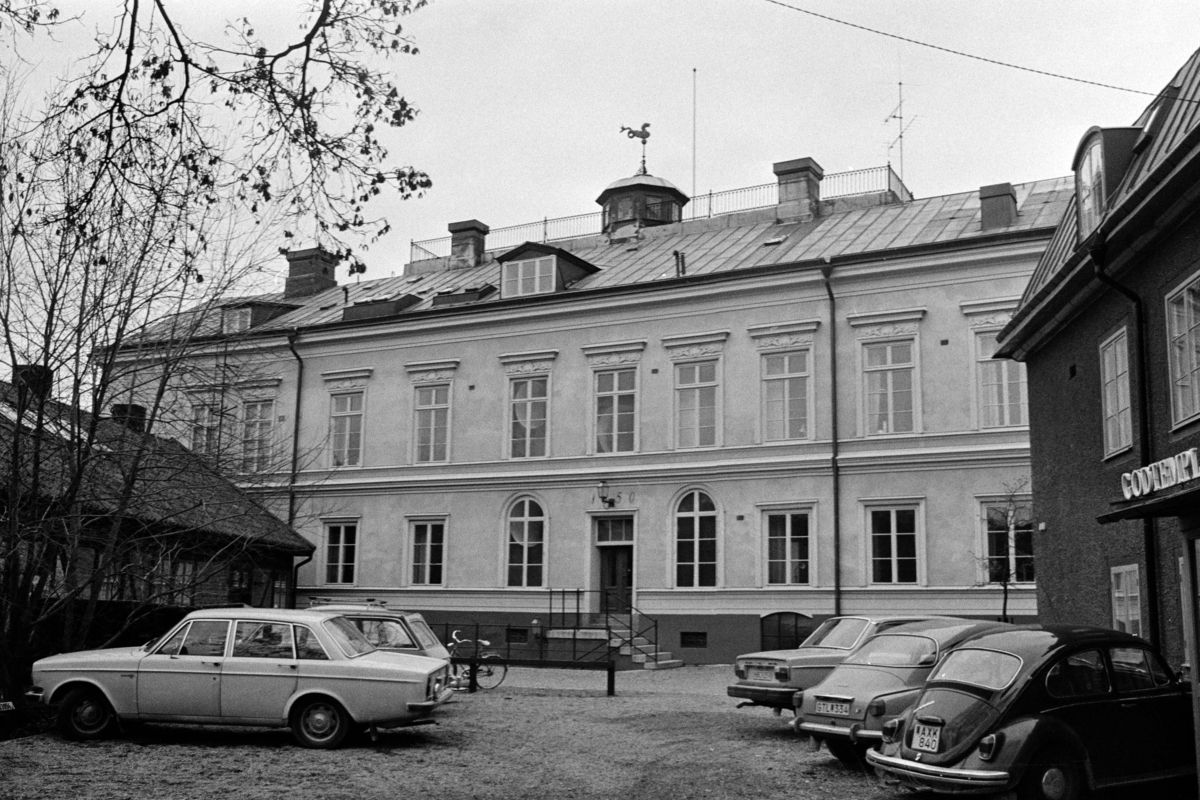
211,663
287,666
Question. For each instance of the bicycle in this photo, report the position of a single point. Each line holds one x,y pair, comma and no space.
487,675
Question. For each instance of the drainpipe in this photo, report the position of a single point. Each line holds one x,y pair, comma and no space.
1097,252
826,273
295,467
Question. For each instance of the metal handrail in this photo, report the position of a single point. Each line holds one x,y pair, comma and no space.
711,204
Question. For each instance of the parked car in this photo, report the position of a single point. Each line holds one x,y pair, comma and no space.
310,670
1050,711
391,628
772,677
877,683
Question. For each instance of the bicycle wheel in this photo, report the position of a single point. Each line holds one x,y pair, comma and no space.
490,675
459,675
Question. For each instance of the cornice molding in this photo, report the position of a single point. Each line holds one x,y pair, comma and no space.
695,345
781,336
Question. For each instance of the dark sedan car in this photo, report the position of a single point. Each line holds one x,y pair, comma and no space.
878,682
1051,711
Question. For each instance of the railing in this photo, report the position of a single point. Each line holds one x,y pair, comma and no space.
712,204
574,608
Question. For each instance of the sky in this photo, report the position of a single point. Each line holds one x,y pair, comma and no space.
522,101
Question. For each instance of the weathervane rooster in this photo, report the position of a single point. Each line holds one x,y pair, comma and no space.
643,134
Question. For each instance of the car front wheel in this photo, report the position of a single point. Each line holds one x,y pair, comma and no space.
851,755
320,723
84,714
1051,777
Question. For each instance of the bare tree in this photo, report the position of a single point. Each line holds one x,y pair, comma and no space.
1009,547
152,188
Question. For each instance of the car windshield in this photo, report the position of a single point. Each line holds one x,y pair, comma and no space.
424,634
840,633
349,638
896,650
987,669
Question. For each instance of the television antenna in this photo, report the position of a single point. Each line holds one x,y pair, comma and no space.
898,143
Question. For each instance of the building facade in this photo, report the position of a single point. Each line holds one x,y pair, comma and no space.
738,424
1109,328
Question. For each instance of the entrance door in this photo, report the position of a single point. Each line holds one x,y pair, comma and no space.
616,578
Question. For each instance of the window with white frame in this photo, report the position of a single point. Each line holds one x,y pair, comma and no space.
1008,530
235,320
888,369
616,410
533,276
341,552
696,404
1114,396
893,544
206,428
785,395
346,429
1002,387
257,421
526,543
1183,323
428,547
527,417
432,422
695,541
1126,599
788,548
1089,187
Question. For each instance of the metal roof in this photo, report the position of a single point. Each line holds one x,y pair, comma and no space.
719,244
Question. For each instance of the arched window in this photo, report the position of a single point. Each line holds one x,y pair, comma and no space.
696,541
784,630
526,540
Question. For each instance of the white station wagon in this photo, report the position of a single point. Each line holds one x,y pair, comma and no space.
311,670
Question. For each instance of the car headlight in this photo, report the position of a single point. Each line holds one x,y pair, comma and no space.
990,745
891,730
876,707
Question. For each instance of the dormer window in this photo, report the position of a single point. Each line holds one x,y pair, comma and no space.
235,320
1089,187
533,276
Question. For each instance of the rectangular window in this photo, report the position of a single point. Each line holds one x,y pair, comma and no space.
257,418
428,541
1009,542
341,550
610,530
535,276
206,427
696,401
183,582
888,372
787,548
346,425
893,545
235,320
1126,599
616,408
785,396
432,422
1183,321
1114,379
1002,389
527,417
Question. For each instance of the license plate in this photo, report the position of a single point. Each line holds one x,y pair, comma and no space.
762,673
833,708
6,706
926,737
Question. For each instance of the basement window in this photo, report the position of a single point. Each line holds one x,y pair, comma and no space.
693,639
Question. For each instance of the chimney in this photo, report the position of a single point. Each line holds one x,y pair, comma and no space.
467,243
309,272
131,416
998,206
799,188
32,381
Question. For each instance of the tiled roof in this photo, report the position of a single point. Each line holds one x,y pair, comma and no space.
176,490
719,244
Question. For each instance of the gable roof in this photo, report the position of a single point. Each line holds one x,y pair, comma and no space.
176,491
1169,146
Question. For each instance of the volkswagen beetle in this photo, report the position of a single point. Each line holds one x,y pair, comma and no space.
310,670
1049,711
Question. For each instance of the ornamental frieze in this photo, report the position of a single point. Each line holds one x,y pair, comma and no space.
887,331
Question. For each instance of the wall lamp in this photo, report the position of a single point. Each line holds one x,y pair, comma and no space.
605,497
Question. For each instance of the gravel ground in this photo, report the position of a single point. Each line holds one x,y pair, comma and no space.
543,734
